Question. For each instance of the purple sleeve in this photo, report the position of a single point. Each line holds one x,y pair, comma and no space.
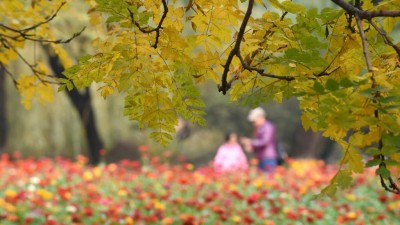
263,139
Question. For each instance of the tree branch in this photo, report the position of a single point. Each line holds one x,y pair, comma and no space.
8,73
261,71
226,85
349,8
364,42
23,33
385,37
159,26
39,74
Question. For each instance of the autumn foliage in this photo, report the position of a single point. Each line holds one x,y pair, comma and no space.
340,62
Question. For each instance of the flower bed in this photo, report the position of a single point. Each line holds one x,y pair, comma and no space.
59,191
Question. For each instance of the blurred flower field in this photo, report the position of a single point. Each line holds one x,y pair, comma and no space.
59,191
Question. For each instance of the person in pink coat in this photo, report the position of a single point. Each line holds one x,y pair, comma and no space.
230,156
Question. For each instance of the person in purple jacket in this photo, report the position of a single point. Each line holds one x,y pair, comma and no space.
263,145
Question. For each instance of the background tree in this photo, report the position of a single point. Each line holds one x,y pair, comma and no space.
3,117
32,24
81,100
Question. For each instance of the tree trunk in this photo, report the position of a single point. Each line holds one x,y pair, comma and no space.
310,144
3,116
82,103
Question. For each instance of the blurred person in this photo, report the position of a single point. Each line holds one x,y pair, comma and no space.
230,155
263,144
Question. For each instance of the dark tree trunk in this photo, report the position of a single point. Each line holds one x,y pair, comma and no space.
3,116
82,103
310,144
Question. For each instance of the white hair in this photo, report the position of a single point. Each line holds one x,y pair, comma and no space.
255,113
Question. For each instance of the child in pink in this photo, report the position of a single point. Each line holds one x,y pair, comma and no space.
230,156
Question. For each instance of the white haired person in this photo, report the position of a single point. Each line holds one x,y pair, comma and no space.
263,145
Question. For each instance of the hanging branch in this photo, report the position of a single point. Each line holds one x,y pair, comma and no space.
23,34
29,37
157,29
39,74
353,10
385,37
28,34
225,84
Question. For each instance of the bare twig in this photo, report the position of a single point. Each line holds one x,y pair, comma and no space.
261,71
326,73
39,74
23,32
353,10
364,42
385,37
159,26
8,73
58,41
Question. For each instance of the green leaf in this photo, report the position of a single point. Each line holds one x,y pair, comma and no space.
389,150
346,83
383,171
343,179
330,191
373,162
292,7
372,151
311,42
391,140
318,87
310,58
389,99
332,85
62,88
329,14
70,86
113,19
392,162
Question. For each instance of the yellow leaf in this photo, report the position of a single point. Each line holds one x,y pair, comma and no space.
389,23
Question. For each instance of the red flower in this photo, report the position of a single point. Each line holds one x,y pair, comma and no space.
383,198
237,194
309,219
75,218
28,220
248,220
88,211
380,216
187,219
292,215
143,148
253,198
